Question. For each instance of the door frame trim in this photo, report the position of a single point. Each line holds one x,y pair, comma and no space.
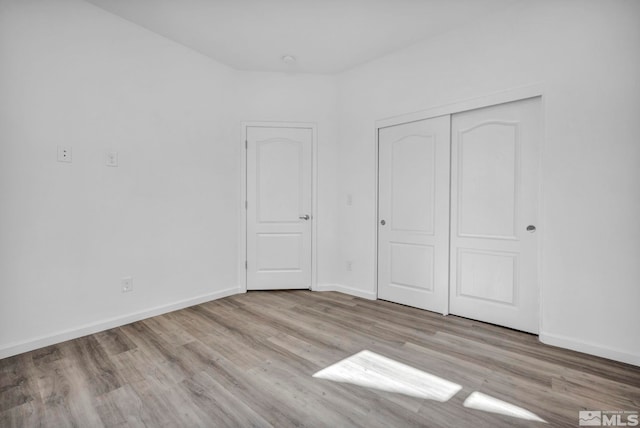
242,224
509,95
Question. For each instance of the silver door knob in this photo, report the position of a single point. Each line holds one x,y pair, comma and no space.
304,217
531,228
382,222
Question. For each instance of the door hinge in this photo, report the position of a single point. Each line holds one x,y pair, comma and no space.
246,205
246,265
246,144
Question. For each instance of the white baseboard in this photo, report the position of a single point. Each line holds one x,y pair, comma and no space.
548,338
589,348
40,342
370,295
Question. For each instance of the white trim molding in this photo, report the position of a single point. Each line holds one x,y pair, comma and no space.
369,295
589,348
74,333
506,96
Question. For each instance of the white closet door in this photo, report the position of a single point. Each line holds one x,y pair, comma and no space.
494,212
413,213
279,185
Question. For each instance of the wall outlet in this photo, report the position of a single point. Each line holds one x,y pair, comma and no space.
64,153
349,199
349,265
111,158
127,284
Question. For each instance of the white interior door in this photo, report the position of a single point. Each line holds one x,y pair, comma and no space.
279,186
413,214
494,211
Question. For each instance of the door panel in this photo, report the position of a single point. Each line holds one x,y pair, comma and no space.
487,275
414,206
278,184
279,177
412,266
280,252
494,197
413,159
487,160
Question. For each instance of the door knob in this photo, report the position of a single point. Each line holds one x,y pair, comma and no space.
382,222
531,228
304,217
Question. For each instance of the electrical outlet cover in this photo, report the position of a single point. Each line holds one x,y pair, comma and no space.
111,159
127,284
64,153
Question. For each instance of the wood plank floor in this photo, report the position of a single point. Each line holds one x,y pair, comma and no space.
248,360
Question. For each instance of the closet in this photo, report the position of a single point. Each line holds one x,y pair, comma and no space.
457,213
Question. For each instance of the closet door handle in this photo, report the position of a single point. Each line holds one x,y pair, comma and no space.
304,217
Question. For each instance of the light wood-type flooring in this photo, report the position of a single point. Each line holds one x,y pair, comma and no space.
248,360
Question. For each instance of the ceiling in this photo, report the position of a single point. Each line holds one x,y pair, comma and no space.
325,36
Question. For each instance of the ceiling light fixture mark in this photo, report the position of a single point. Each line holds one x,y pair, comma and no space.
289,59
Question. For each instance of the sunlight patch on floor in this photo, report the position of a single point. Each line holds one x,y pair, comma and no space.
480,401
371,370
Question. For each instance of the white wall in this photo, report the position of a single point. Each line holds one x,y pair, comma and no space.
73,74
76,75
282,97
586,53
